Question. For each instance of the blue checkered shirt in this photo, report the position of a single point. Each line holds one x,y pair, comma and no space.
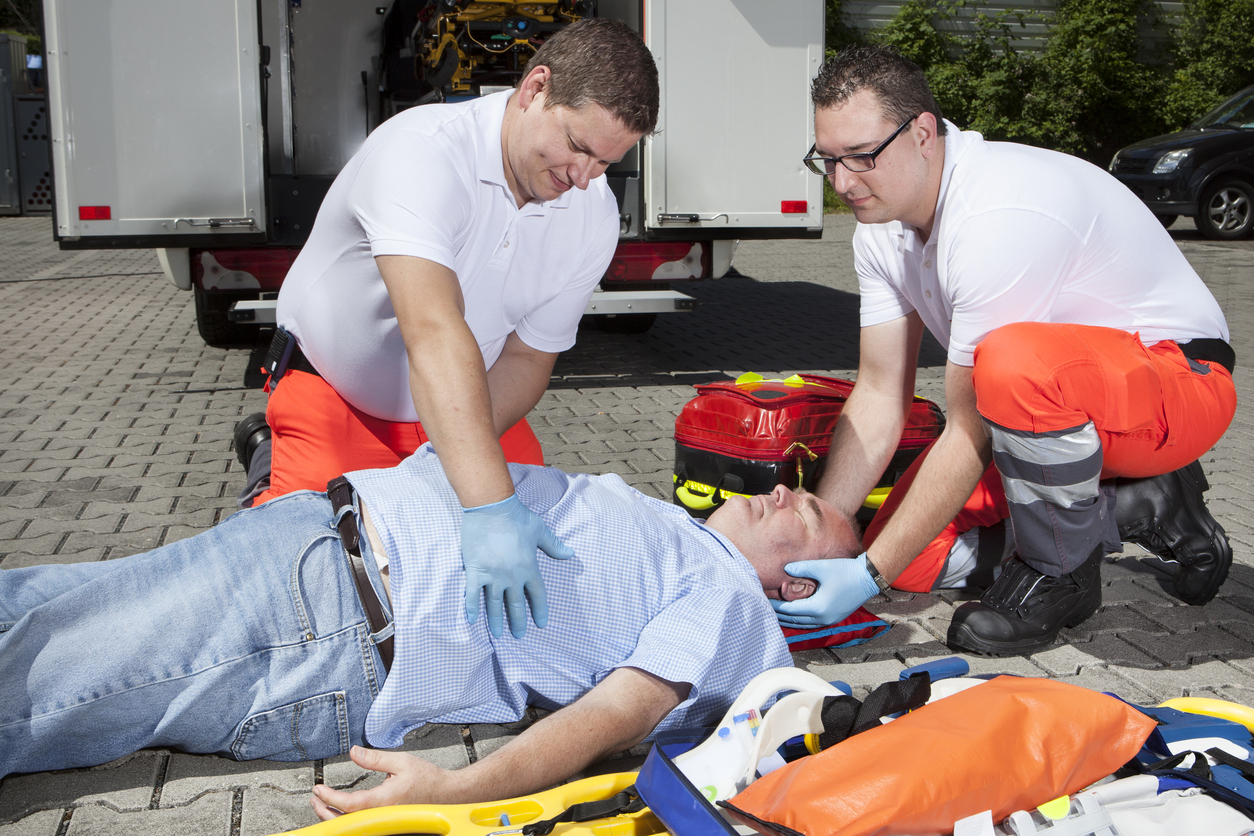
648,588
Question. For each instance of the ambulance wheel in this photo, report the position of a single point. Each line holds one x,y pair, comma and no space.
632,323
1167,220
215,329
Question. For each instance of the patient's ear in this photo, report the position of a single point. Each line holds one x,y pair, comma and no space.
794,589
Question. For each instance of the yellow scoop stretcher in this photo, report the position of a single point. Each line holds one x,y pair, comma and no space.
723,765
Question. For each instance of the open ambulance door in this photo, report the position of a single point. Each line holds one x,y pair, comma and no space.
156,122
735,118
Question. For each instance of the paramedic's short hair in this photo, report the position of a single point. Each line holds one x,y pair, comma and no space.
603,62
897,83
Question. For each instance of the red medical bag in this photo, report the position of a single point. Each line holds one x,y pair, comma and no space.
749,435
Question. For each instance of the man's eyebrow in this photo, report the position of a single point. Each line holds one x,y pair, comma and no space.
814,506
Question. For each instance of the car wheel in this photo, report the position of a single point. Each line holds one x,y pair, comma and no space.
1167,220
1226,210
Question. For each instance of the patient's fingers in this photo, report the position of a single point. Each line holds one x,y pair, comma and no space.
321,809
407,775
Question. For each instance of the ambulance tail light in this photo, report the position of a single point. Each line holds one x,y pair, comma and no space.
666,261
242,269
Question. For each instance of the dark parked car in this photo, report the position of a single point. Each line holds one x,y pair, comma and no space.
1206,170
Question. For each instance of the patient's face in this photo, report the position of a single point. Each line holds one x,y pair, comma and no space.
781,527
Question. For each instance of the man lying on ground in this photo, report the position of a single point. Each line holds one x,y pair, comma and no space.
260,638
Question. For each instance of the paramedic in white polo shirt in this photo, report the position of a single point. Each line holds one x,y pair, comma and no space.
1088,369
449,264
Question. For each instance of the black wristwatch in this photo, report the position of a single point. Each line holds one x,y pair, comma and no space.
875,574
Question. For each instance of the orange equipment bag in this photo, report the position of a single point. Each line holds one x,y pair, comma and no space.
1009,744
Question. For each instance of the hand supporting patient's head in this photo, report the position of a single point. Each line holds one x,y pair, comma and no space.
784,526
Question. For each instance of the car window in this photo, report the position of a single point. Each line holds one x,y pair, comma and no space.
1237,112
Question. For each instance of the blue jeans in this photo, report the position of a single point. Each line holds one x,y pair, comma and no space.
248,640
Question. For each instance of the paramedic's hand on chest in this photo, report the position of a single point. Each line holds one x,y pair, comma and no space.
464,409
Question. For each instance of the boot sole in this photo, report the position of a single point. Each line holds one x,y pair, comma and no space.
1224,557
245,431
1196,504
962,638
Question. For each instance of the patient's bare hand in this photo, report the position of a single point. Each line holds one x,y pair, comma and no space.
411,780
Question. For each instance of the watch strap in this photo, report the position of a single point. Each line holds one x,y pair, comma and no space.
875,574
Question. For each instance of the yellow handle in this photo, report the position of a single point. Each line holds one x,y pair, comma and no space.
695,501
1222,709
876,498
486,819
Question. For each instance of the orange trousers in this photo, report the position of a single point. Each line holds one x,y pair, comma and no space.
317,436
1154,410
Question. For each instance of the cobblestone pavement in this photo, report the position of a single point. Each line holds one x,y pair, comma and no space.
115,437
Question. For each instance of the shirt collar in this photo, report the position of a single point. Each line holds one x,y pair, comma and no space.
490,156
957,143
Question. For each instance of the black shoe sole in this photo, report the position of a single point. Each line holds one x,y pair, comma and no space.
960,637
1195,504
1224,558
250,432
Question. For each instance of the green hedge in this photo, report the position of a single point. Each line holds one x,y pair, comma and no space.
1094,88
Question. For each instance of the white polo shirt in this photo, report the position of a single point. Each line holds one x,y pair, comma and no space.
1023,234
430,182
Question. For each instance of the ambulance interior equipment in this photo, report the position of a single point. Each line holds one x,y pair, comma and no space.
437,49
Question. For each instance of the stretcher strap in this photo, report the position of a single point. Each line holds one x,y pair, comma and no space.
627,801
1201,768
845,716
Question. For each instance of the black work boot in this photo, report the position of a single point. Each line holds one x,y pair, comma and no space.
1166,515
1023,610
250,432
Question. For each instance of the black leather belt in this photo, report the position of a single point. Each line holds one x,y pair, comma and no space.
298,362
1213,351
340,493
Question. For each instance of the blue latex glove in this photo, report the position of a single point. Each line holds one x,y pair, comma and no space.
844,585
499,543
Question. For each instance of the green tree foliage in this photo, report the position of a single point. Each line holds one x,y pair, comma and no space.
1092,95
22,17
1096,86
839,33
1214,57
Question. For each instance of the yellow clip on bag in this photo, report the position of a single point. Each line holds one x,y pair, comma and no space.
1008,744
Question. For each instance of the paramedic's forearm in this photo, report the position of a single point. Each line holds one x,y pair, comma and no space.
944,481
871,422
516,381
447,378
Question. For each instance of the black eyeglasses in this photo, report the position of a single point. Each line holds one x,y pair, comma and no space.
826,166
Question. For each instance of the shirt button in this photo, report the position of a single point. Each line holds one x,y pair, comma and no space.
927,293
928,265
507,244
